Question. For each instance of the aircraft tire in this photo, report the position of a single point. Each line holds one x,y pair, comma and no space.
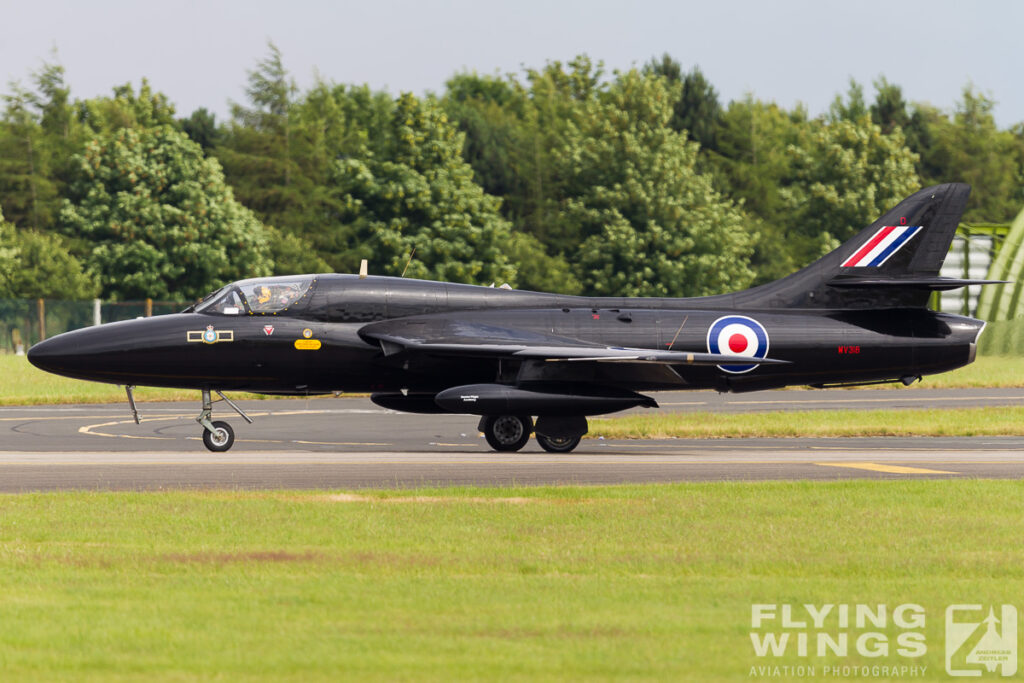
507,432
221,439
558,444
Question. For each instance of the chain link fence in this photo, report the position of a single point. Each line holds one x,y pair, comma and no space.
23,322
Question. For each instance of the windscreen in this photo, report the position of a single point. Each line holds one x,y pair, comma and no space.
265,296
274,295
226,301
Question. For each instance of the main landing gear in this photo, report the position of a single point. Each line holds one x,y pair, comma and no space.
506,432
558,444
218,436
554,434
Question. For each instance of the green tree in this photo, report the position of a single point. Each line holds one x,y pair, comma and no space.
201,127
126,109
510,133
63,133
415,202
154,218
8,258
293,254
650,223
279,154
698,110
538,270
26,187
34,265
889,110
853,108
970,148
846,174
551,98
328,123
488,110
256,151
751,163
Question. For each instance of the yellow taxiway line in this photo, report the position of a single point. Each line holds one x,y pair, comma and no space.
876,467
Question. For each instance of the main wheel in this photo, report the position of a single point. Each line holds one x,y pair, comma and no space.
507,432
558,444
220,439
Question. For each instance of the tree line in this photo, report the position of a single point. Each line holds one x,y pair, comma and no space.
561,178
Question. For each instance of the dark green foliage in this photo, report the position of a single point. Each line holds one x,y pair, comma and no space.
27,188
256,149
126,109
155,218
34,266
564,178
414,208
697,109
481,106
889,110
650,223
846,173
971,149
853,108
201,127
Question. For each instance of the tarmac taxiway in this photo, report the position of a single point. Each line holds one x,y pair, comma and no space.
351,443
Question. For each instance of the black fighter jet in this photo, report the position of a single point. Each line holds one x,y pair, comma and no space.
537,363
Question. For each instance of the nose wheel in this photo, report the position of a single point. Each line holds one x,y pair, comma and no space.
218,436
220,439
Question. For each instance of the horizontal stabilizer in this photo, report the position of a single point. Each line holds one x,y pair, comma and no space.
935,283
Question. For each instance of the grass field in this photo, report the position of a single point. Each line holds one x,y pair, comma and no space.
985,421
637,582
23,384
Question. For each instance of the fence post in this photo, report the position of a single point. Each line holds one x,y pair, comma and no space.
97,319
149,307
41,312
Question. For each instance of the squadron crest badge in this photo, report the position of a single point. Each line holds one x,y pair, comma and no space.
210,335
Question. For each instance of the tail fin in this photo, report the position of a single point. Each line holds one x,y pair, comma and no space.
892,263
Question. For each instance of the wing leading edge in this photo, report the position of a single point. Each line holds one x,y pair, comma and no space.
460,338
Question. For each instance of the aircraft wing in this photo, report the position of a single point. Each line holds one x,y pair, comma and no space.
464,338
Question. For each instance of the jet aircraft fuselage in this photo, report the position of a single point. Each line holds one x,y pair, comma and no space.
315,346
857,315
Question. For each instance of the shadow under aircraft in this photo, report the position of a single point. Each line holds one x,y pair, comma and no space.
538,363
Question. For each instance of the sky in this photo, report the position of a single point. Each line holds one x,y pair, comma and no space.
198,52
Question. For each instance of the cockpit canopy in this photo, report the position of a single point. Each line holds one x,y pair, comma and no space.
259,296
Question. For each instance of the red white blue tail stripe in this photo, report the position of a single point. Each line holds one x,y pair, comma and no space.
882,245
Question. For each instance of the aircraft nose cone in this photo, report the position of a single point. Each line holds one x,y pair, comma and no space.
54,354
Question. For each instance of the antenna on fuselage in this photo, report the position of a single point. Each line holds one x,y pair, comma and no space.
364,269
411,254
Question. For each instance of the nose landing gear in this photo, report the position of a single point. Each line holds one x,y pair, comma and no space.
220,439
218,436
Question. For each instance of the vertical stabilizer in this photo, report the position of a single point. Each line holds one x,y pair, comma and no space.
892,263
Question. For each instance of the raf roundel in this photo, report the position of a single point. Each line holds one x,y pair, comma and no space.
738,335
